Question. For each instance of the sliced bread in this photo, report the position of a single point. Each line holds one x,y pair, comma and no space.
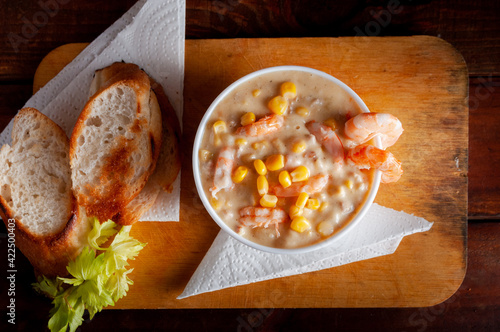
169,161
35,192
167,166
116,141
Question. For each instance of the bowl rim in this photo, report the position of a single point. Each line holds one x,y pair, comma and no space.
204,199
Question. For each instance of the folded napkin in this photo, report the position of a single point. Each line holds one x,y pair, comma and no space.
230,263
151,34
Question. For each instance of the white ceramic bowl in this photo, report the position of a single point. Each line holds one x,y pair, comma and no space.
196,169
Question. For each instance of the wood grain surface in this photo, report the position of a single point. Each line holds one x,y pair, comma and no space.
484,147
423,81
470,26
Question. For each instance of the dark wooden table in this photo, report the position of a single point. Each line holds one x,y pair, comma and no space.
473,27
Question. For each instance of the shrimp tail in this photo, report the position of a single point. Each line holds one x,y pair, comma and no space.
365,126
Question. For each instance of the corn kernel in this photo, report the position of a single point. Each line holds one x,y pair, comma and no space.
330,123
241,142
288,90
312,204
302,111
217,140
219,127
216,203
348,184
239,174
262,185
205,155
300,224
301,173
247,118
268,201
323,206
295,211
299,147
275,162
256,92
260,167
325,228
302,199
285,179
278,105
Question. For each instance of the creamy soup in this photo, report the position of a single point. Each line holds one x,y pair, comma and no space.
272,160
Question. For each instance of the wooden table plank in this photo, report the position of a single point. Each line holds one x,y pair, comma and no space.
12,98
484,147
472,27
427,64
31,30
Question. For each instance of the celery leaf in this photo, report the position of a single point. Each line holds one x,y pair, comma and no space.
86,266
51,287
95,282
100,233
123,248
119,282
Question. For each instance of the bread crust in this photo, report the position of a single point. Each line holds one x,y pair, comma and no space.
169,161
156,130
139,205
49,255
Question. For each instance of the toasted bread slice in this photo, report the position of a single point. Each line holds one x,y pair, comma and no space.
116,141
35,194
169,161
168,164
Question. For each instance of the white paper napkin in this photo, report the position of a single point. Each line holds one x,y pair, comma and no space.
151,34
230,263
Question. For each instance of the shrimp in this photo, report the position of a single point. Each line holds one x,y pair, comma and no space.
223,170
311,186
365,126
266,125
252,216
369,156
329,139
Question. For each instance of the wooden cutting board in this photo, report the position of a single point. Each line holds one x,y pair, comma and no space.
422,80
